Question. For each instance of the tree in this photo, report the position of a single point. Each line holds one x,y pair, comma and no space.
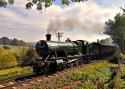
3,3
40,4
6,40
116,29
30,55
22,43
15,42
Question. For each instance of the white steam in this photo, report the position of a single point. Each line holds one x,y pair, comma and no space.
70,24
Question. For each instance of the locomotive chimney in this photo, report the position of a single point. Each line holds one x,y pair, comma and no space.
48,37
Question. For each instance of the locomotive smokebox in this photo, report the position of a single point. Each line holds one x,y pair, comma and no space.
48,37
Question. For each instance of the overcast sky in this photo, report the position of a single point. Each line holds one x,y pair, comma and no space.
83,21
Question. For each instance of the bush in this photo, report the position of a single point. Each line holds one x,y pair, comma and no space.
7,59
78,75
28,56
6,47
117,58
21,55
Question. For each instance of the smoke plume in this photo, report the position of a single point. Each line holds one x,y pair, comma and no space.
70,24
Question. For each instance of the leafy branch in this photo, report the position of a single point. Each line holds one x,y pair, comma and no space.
40,4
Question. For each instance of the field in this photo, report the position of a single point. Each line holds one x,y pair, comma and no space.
97,75
14,49
9,60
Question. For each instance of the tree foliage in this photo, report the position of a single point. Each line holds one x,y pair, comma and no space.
25,56
116,30
14,42
21,55
3,3
40,4
29,56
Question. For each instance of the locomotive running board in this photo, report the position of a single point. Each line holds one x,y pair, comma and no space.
69,57
72,60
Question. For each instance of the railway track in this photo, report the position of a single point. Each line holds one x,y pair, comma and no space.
25,82
30,80
14,81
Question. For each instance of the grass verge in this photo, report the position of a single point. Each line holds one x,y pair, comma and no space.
13,72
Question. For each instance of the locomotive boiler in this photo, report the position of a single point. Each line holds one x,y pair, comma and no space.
56,49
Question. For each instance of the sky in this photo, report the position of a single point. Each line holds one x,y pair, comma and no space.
78,21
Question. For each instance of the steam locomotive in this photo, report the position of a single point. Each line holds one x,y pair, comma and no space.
54,55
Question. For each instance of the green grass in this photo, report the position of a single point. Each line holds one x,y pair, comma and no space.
88,75
92,71
13,72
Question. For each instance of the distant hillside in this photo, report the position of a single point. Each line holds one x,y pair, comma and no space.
14,42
